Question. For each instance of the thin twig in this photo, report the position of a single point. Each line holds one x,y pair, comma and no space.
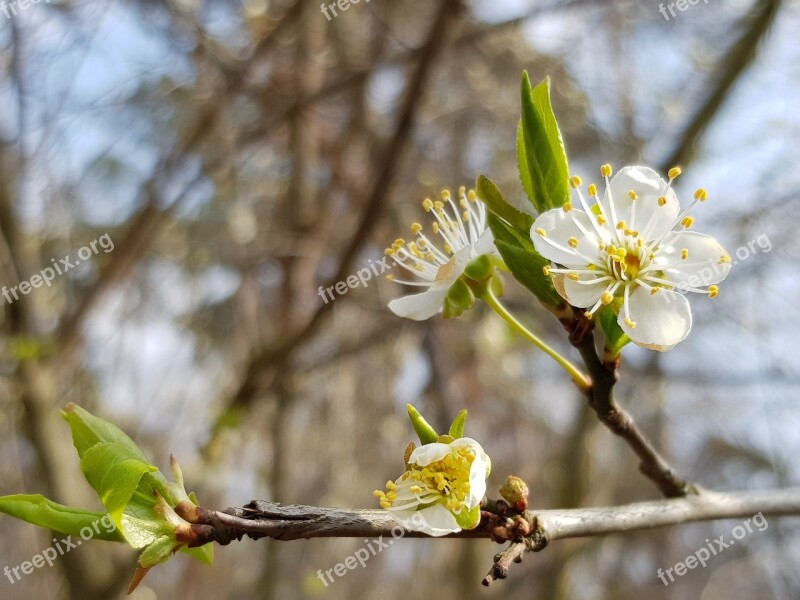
602,401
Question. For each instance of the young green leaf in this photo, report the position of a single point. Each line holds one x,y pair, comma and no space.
38,510
457,428
541,157
523,261
88,430
426,433
114,471
204,553
491,196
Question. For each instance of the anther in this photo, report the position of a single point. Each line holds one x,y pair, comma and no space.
606,170
674,172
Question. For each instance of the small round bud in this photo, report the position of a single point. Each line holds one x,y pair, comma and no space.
515,492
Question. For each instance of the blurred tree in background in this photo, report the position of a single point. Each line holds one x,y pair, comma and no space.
240,155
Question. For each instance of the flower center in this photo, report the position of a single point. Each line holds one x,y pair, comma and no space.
445,481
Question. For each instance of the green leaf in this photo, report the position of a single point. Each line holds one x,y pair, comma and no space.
468,519
491,196
204,553
114,471
541,157
616,338
159,551
426,433
142,525
523,261
88,430
38,510
457,428
522,164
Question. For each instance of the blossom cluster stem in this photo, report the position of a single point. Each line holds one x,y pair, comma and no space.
612,415
578,377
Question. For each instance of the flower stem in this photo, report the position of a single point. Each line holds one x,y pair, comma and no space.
580,379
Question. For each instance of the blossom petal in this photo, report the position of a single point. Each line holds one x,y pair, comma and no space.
479,470
484,244
702,267
559,228
434,520
579,294
662,319
420,306
648,187
429,453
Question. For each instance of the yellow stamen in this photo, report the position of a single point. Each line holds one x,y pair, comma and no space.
701,195
567,207
662,201
416,228
606,298
601,220
592,190
632,195
606,170
674,172
630,323
541,232
574,276
546,271
622,225
687,222
684,254
713,291
573,242
575,181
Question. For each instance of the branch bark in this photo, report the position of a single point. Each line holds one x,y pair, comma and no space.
296,521
260,519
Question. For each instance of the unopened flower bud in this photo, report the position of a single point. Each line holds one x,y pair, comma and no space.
515,492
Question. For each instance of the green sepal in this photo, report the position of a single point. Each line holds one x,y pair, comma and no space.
497,285
468,519
457,428
616,338
541,157
426,433
479,268
38,510
459,298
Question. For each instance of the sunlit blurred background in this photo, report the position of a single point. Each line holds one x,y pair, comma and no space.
241,154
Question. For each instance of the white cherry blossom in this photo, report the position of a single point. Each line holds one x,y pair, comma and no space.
632,250
442,489
465,236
